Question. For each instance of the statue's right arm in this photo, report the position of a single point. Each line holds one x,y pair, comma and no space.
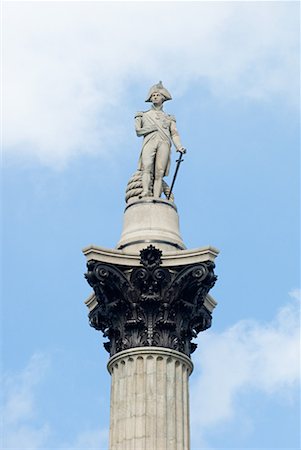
140,127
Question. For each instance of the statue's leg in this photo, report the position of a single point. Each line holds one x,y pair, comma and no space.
162,158
147,159
146,184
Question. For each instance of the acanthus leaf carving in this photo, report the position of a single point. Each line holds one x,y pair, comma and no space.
150,305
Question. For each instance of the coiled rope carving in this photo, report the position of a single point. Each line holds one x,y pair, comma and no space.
134,187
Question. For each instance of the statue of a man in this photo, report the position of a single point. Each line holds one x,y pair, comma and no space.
159,131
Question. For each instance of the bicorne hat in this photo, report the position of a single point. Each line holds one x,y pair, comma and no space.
161,89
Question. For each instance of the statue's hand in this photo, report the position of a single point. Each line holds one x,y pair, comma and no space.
150,129
145,130
182,150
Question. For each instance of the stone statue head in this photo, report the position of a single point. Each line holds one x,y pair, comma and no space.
161,89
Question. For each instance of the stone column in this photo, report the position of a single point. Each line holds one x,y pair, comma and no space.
149,399
150,301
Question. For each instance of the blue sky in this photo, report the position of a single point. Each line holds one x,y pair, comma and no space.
74,75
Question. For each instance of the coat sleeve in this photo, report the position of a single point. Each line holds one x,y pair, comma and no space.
140,127
174,133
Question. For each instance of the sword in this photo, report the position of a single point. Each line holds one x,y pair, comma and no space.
178,161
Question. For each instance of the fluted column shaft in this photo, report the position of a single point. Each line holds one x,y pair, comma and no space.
149,399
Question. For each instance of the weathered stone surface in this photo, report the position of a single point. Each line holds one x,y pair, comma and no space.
150,220
169,259
149,399
151,305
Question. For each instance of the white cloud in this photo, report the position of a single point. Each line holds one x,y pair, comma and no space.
19,410
296,294
263,357
68,66
23,428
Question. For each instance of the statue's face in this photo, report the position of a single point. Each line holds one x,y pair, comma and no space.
157,98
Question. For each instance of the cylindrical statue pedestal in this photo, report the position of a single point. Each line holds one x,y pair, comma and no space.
149,399
150,220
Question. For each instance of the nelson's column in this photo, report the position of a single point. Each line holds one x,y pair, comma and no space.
150,298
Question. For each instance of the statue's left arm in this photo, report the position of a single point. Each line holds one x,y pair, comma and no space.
175,137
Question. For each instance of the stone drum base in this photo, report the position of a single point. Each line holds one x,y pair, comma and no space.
150,220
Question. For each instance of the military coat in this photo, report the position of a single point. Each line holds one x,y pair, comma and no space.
156,126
